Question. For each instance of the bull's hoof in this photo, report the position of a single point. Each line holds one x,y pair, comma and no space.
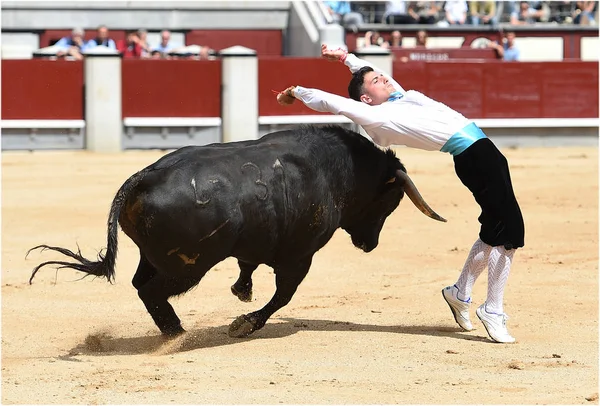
241,327
243,296
172,332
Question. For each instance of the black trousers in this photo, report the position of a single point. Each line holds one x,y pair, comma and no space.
484,170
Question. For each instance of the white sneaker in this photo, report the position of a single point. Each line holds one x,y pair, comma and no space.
460,308
495,324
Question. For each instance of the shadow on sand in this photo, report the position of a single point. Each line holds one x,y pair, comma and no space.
193,339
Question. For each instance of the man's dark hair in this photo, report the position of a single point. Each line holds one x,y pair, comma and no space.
355,88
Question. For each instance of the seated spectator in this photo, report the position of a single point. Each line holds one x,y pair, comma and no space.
398,12
526,14
143,42
101,39
165,46
373,38
130,47
72,45
342,14
424,12
483,12
584,13
507,51
396,39
456,12
560,11
421,39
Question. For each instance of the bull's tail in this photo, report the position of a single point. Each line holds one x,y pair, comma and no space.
105,265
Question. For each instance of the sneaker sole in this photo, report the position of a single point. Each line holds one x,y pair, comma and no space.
454,313
488,331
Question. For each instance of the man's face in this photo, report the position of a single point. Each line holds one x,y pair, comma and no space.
165,36
103,33
510,38
377,89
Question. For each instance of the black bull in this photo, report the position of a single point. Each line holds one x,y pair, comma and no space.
273,201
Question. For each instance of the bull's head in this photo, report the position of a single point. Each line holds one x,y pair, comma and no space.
366,226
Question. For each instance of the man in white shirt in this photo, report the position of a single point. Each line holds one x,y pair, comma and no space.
392,116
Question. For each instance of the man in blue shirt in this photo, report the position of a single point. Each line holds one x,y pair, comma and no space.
342,13
507,51
165,46
101,39
73,45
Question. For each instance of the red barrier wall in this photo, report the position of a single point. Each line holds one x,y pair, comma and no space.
171,88
507,90
42,89
281,73
265,42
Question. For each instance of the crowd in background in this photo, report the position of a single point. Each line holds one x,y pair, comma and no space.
135,45
353,14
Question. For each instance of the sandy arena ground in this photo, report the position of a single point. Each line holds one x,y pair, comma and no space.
362,328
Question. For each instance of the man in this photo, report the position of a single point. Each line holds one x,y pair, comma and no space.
526,15
507,51
165,46
391,115
72,45
130,47
341,13
483,12
102,39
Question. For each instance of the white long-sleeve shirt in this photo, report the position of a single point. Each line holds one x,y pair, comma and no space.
413,120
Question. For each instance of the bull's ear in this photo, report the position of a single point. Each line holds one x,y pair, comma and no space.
392,180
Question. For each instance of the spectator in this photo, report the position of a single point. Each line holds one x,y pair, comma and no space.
560,11
507,51
72,45
157,55
483,12
526,14
421,38
396,39
584,13
143,42
398,12
424,12
373,38
342,14
101,39
456,12
130,47
165,46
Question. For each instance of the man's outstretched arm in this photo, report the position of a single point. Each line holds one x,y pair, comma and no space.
318,100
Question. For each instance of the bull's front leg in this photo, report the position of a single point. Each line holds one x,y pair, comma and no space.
287,279
242,288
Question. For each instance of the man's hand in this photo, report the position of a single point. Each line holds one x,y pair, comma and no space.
332,54
286,97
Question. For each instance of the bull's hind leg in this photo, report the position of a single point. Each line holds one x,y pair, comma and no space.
154,289
242,288
287,279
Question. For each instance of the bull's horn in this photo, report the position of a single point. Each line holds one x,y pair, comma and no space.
411,191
